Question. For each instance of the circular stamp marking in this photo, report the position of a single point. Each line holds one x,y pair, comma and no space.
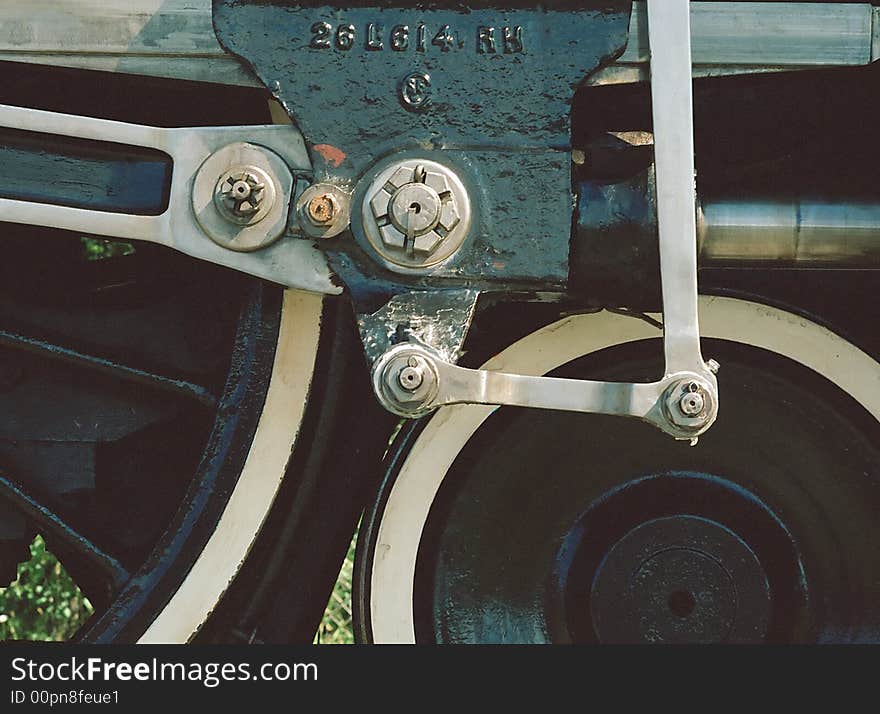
415,91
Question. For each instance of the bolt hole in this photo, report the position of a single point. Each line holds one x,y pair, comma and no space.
681,603
415,208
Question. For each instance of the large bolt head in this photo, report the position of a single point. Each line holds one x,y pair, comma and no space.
416,214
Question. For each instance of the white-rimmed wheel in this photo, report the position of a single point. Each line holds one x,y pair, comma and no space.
170,427
501,525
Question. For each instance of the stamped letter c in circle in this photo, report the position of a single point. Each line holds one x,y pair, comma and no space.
415,91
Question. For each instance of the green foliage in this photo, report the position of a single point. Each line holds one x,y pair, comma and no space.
43,603
101,248
336,627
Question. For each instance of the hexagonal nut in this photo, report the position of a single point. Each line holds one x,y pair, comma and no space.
440,227
402,176
324,210
688,404
437,181
387,383
392,237
380,204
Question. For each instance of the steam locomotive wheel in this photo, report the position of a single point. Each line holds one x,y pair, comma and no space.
153,406
145,428
527,526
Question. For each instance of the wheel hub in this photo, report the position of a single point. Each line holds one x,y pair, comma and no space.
680,579
546,527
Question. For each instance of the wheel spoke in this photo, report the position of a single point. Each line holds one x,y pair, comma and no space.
55,527
108,367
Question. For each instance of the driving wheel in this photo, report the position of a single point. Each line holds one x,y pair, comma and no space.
153,406
529,526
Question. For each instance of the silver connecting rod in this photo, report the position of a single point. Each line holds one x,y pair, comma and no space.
672,105
190,223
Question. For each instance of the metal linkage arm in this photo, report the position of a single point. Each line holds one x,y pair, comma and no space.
412,380
672,103
259,160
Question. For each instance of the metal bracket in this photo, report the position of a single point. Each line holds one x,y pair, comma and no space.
189,223
437,320
412,380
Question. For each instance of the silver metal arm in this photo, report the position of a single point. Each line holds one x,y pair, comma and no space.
672,102
411,380
192,223
230,202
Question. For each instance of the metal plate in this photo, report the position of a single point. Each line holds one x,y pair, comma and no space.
485,90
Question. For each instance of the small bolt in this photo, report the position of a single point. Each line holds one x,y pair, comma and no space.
713,366
692,403
241,194
690,406
410,377
321,209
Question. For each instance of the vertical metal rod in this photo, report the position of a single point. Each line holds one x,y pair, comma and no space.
672,103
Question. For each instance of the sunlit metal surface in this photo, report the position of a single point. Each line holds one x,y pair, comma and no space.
805,231
289,261
746,37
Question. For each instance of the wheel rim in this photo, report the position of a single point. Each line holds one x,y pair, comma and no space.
261,476
179,323
133,588
760,557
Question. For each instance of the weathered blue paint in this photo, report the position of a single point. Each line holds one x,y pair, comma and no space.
485,89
